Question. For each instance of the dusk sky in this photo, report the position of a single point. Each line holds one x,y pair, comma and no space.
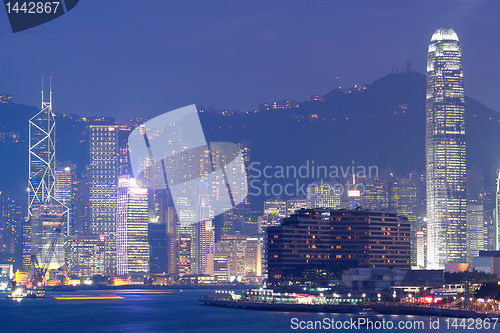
129,58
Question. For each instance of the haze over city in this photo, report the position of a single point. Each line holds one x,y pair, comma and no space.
124,58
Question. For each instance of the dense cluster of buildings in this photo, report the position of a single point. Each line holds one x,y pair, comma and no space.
105,223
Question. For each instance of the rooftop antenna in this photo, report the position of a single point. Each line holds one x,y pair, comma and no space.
50,100
42,91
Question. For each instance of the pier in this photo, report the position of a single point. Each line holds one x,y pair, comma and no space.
347,308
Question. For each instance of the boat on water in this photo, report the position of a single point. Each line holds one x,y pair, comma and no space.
367,315
20,293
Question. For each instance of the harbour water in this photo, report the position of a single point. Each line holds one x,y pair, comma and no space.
166,310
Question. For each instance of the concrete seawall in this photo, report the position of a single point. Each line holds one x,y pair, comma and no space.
345,308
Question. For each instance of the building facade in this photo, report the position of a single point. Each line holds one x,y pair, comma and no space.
326,237
85,255
275,206
103,188
323,195
475,232
233,246
295,204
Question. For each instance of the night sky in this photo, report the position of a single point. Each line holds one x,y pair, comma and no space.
130,58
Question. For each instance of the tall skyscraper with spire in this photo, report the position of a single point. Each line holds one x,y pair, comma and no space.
445,152
42,186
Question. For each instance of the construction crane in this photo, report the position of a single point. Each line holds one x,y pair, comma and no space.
38,271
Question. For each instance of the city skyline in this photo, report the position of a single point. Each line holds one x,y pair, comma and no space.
171,150
326,162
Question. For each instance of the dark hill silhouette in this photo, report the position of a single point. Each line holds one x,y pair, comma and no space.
380,124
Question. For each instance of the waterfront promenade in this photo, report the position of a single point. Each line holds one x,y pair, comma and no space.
346,308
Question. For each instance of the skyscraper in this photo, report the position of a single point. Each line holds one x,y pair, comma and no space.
42,163
11,222
445,152
403,200
475,232
64,193
103,188
132,247
206,244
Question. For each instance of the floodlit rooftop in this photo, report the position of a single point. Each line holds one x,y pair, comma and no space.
444,34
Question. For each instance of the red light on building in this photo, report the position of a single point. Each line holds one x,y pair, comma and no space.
102,238
111,129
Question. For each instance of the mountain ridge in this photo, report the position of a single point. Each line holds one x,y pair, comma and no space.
380,124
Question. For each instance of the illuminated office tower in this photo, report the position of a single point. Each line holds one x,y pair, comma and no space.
82,202
420,250
475,236
124,167
374,193
64,192
294,204
222,154
132,246
85,255
323,195
492,239
253,256
403,200
445,152
103,188
275,207
206,244
233,246
63,178
187,249
11,224
221,268
245,150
